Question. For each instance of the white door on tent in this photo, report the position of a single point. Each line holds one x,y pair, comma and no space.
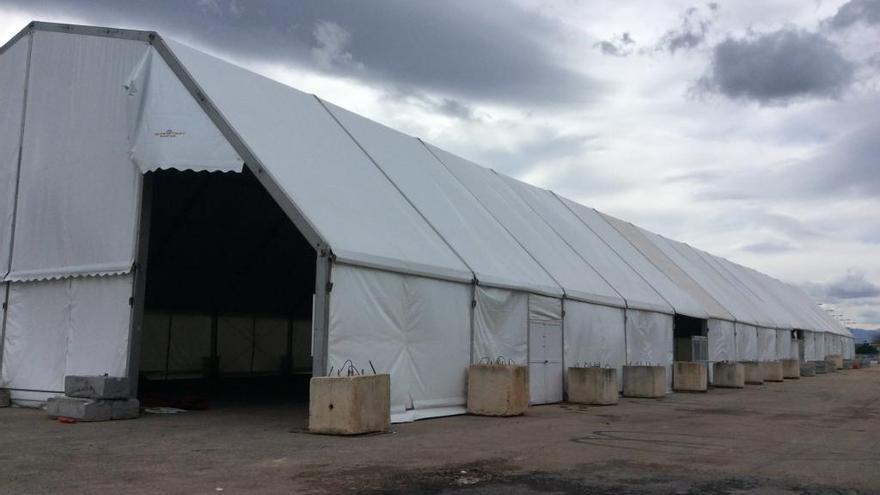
545,362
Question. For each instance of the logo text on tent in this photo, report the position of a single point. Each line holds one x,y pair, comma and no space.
169,133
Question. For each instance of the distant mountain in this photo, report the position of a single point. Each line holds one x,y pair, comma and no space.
864,335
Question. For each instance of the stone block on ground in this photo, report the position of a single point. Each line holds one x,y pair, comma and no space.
728,375
648,382
791,369
847,364
821,367
96,387
126,408
689,376
754,372
350,405
808,368
5,398
837,359
772,371
830,365
592,385
497,389
80,409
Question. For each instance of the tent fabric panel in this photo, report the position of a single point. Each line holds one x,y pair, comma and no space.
820,346
98,329
500,325
487,248
783,344
324,174
639,240
722,343
543,308
680,300
810,346
594,335
167,128
35,346
784,311
77,185
577,278
190,343
746,342
766,344
757,301
649,340
415,328
13,68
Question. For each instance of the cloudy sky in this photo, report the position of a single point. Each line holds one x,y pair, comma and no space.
749,129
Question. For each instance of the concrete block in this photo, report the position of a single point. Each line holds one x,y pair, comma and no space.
830,365
728,375
847,364
592,385
837,359
125,408
497,389
754,372
821,367
96,387
772,371
5,400
80,409
689,376
808,369
647,382
350,405
791,369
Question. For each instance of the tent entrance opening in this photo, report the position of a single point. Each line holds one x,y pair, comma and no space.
690,335
229,293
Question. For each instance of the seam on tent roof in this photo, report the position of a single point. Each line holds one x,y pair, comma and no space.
27,81
745,284
499,222
396,187
645,255
585,224
563,239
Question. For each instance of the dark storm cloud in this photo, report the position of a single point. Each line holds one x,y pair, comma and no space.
769,247
855,12
853,285
777,68
471,50
692,30
619,46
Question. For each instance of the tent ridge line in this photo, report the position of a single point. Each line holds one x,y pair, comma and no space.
489,212
396,187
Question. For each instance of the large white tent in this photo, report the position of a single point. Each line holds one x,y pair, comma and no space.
422,262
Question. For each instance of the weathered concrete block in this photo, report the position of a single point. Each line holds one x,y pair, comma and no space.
728,375
821,367
125,408
80,409
497,389
772,371
5,400
808,368
96,387
847,364
830,365
592,385
837,359
754,372
791,369
350,405
644,381
689,376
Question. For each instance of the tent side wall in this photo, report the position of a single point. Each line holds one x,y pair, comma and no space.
69,301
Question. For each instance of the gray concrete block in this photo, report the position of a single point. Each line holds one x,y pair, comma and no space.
754,372
350,405
497,389
728,375
592,385
5,399
820,366
830,365
808,369
772,371
837,359
126,408
689,376
96,387
791,369
79,409
847,364
648,382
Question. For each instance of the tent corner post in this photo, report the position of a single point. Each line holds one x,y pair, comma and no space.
321,312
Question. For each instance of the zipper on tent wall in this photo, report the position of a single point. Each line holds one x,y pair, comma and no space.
27,81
